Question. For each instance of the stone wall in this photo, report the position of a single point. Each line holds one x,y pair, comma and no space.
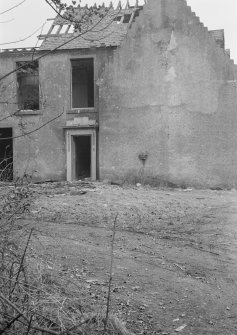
169,93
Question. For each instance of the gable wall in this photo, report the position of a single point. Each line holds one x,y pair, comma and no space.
169,92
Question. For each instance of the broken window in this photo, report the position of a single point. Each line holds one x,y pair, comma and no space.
28,85
82,83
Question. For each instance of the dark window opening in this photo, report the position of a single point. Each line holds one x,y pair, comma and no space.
6,154
82,83
82,156
28,85
136,14
118,18
126,18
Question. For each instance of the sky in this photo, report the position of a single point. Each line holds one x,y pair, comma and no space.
30,16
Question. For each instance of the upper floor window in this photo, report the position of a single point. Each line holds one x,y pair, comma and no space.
82,82
28,85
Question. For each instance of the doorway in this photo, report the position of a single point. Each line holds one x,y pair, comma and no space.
81,154
6,154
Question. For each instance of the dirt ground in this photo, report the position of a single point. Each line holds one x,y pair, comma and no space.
175,253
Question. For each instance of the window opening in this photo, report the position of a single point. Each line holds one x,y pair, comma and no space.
28,85
118,19
136,14
126,18
82,83
6,154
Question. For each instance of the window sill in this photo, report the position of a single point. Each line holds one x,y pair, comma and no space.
28,112
81,110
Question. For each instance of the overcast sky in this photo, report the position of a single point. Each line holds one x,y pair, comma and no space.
29,17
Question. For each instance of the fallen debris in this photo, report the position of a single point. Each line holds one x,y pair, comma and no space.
179,329
81,192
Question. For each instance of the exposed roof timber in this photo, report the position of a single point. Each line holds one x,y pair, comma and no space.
126,15
103,5
127,5
132,18
11,50
109,33
111,5
67,31
60,30
119,5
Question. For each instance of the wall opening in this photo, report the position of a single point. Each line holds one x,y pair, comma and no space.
6,154
82,156
28,85
127,18
82,82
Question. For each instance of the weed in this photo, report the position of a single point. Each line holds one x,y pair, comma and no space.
34,299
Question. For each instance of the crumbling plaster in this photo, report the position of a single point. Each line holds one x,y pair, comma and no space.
169,91
42,154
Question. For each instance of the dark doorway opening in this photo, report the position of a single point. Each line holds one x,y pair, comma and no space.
82,156
6,154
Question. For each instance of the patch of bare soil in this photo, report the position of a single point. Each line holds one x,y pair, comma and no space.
175,266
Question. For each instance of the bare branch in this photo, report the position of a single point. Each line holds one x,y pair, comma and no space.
22,260
110,274
34,130
8,10
61,45
2,331
24,317
7,21
84,18
29,326
25,38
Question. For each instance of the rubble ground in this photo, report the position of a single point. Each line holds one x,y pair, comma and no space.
175,266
